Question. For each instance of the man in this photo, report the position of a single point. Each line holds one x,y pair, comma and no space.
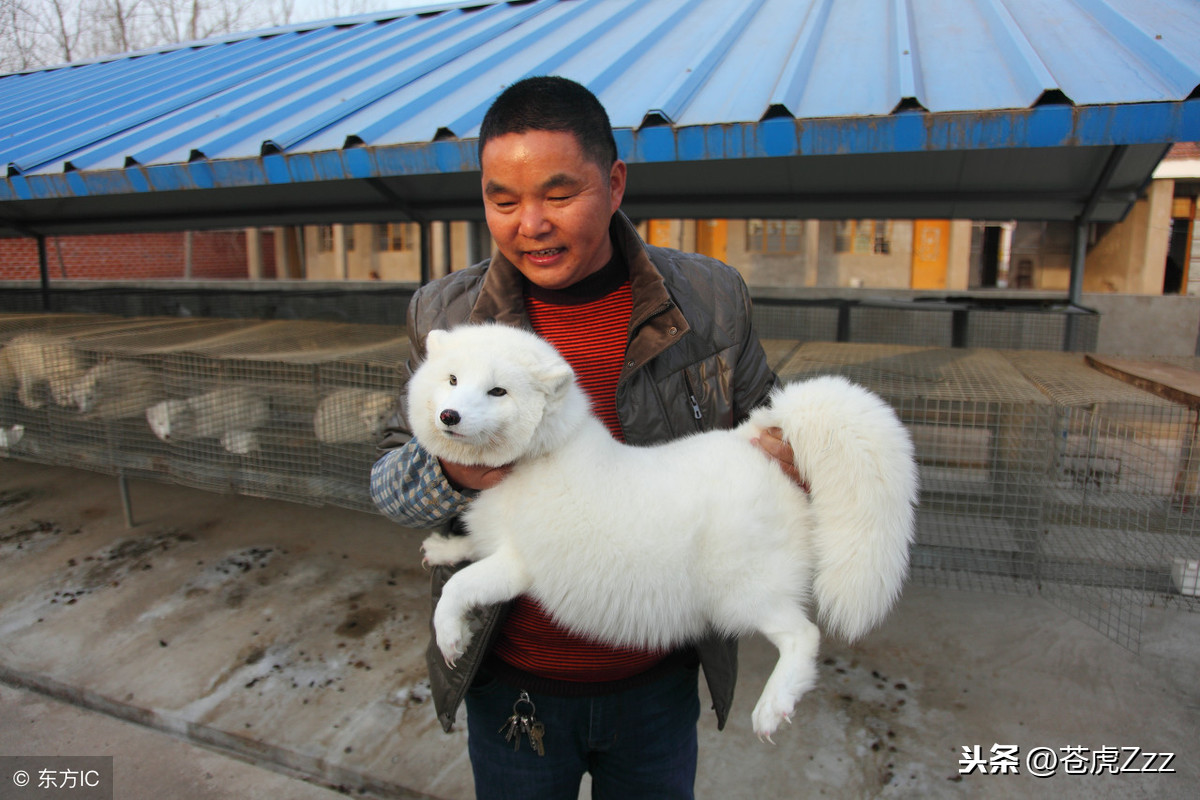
662,343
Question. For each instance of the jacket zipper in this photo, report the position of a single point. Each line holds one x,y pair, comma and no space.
697,414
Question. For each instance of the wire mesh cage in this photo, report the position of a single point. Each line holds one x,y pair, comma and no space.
980,432
929,322
222,405
902,325
358,397
1009,329
1038,472
799,322
1120,508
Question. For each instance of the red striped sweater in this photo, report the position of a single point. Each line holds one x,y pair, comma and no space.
590,327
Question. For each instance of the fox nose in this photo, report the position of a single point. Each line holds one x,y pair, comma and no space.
450,417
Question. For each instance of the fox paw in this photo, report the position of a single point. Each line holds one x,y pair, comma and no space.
453,637
766,719
439,550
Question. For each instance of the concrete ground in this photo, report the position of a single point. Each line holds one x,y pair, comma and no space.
234,647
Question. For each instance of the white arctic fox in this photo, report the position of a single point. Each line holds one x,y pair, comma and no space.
652,546
116,388
353,415
43,364
230,415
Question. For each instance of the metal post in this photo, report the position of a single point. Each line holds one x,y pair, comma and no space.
960,325
1075,293
1078,259
843,321
126,502
426,251
44,267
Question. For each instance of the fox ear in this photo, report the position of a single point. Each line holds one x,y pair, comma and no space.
557,379
433,341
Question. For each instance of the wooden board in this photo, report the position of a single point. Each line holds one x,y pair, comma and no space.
1168,381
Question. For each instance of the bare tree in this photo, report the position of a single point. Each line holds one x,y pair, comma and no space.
117,26
37,33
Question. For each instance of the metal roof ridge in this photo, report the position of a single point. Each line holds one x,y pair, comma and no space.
675,97
789,87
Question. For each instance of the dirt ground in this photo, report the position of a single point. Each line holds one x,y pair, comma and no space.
230,646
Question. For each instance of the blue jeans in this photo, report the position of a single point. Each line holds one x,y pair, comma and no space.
638,743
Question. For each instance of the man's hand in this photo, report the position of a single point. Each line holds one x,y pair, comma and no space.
473,476
771,442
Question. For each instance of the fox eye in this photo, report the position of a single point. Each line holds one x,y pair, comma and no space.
498,391
453,381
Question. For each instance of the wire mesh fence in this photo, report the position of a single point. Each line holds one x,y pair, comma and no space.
240,406
930,322
1120,499
1039,474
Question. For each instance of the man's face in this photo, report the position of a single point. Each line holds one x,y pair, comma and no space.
548,206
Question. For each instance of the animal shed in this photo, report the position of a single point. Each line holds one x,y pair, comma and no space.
1038,472
284,409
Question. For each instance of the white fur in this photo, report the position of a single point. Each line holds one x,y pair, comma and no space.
43,364
653,546
11,435
353,415
116,388
8,376
230,415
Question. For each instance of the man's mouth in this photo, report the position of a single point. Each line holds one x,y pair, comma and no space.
549,252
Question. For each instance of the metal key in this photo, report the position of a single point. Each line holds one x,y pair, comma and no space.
512,730
536,731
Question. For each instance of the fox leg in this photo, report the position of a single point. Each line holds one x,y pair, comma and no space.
797,639
494,579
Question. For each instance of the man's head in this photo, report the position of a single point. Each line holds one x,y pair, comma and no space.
551,103
551,179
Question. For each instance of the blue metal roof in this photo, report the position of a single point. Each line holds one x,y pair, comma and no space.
946,107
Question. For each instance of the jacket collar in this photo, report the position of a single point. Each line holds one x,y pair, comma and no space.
502,297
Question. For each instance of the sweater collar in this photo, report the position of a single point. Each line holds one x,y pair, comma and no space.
502,298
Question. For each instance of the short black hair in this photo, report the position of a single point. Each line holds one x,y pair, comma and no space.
552,103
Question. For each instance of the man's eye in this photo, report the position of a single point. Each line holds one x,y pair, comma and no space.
453,380
498,391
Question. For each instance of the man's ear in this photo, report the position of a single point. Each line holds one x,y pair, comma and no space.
616,183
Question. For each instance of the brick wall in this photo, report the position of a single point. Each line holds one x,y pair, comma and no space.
136,256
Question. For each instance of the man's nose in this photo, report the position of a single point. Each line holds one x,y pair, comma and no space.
533,220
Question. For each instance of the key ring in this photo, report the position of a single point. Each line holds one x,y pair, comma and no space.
524,698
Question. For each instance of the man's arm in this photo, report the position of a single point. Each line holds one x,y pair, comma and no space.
409,486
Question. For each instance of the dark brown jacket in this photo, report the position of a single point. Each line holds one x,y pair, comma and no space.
693,363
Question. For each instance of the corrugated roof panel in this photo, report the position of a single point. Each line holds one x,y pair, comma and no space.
944,39
853,71
139,143
680,62
318,87
446,101
133,104
1099,54
714,80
